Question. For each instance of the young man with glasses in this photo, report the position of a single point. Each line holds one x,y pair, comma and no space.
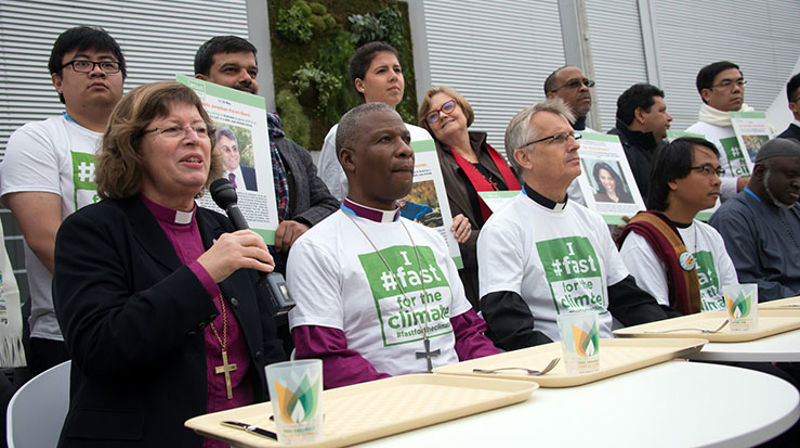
681,261
572,86
793,95
761,225
542,255
48,169
721,87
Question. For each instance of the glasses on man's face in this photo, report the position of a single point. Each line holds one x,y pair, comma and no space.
447,107
176,132
729,83
85,66
709,170
575,84
558,139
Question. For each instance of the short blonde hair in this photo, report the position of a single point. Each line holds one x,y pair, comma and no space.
424,108
120,165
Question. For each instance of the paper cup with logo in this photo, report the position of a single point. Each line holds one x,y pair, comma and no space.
580,340
742,304
295,389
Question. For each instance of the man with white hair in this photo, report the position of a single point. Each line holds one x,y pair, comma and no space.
761,225
543,255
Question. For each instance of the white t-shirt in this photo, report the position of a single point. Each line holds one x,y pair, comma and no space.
330,170
558,261
54,156
339,281
714,266
714,134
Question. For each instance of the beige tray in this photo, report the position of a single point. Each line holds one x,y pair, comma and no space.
787,303
770,321
616,356
376,409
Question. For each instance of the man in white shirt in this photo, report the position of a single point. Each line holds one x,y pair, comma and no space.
721,87
377,294
681,261
543,255
48,170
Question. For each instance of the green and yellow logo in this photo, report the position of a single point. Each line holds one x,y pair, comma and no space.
739,307
299,405
586,342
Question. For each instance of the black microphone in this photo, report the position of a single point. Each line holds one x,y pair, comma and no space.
224,195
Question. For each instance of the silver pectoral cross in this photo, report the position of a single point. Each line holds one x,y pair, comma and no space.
428,354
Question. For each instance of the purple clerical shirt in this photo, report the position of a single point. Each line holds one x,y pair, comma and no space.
343,366
182,231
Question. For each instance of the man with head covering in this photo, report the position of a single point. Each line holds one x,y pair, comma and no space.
377,294
761,225
542,255
681,261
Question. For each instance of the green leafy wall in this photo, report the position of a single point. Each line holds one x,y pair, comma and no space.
312,42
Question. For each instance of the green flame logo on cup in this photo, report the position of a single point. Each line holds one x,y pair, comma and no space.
740,307
300,405
586,342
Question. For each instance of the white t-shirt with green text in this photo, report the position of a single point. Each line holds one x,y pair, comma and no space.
558,261
714,266
339,281
53,156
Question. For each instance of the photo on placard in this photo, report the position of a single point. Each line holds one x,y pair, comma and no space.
607,183
235,145
753,144
421,204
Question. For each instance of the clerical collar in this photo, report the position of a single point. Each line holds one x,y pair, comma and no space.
373,214
750,192
580,124
543,201
168,215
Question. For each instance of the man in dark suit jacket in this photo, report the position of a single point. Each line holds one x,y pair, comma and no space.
793,94
303,199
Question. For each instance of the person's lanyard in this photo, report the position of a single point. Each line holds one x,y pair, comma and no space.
480,183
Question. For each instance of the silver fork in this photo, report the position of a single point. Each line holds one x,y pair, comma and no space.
531,372
701,330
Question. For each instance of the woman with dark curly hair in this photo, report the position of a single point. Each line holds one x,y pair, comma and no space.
610,185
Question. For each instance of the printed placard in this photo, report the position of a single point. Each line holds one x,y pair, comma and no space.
246,157
427,203
416,295
752,130
496,200
606,179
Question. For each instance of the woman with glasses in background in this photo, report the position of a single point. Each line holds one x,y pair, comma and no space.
469,165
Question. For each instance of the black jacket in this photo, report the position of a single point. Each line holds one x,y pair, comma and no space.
133,319
639,150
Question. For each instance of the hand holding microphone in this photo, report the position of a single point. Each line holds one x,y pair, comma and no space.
224,195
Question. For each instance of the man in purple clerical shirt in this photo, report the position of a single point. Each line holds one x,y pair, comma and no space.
378,295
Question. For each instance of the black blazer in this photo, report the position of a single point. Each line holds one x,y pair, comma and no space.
249,175
133,319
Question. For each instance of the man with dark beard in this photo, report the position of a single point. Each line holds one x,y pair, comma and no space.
761,225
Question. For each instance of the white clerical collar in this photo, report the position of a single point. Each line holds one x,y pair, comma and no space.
543,201
168,215
373,214
796,122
